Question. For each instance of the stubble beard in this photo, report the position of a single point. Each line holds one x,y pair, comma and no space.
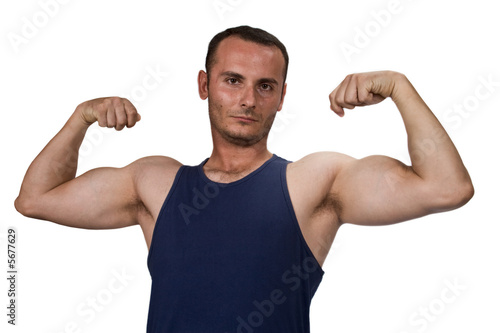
234,137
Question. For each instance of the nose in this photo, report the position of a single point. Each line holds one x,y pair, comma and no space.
248,98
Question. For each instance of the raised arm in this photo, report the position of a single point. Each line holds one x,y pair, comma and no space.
100,198
379,190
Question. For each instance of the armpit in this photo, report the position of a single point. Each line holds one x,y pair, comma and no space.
329,205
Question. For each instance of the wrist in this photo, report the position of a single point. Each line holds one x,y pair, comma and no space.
81,116
402,88
77,122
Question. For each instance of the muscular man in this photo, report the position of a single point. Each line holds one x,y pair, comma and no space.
239,239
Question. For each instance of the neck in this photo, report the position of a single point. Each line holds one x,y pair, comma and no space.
230,158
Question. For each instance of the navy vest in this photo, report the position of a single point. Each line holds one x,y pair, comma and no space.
230,257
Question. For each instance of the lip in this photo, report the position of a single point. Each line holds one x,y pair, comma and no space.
245,119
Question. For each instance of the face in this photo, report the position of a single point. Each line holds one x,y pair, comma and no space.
245,91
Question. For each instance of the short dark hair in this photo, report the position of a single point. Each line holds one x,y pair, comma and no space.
246,33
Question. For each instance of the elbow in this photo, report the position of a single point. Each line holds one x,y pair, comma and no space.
25,206
469,192
462,195
453,197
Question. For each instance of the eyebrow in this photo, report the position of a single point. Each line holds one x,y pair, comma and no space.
241,77
233,74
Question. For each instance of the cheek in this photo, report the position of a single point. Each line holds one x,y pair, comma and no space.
215,99
269,104
217,106
222,98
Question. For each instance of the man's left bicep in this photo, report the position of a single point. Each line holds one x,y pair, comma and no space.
379,190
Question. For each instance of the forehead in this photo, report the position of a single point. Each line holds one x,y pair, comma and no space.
246,58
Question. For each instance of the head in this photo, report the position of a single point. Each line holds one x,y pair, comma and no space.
244,82
249,34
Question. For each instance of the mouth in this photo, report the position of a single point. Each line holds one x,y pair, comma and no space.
244,119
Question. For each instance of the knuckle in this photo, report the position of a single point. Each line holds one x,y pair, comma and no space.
351,99
332,97
120,117
106,102
100,112
116,101
363,99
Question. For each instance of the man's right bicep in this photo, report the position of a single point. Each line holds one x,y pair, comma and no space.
102,198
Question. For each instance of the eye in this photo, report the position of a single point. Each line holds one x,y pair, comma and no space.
232,80
266,86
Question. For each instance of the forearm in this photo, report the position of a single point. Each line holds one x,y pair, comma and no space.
57,162
99,198
433,155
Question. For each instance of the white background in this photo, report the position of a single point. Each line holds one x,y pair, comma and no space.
377,278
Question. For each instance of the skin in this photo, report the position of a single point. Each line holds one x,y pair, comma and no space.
245,92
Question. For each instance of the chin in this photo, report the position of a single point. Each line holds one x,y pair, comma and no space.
244,140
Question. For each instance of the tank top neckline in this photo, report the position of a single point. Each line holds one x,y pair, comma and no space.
236,182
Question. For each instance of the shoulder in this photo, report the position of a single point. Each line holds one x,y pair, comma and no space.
320,164
310,179
153,170
158,163
153,177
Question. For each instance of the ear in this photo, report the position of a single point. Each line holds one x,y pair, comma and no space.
283,93
203,85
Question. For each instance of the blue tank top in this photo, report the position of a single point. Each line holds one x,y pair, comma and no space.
230,257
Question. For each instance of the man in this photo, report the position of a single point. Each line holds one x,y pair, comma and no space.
239,240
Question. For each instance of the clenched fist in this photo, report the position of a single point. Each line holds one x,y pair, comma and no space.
363,89
111,112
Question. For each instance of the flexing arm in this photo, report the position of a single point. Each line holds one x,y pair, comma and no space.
100,198
380,190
